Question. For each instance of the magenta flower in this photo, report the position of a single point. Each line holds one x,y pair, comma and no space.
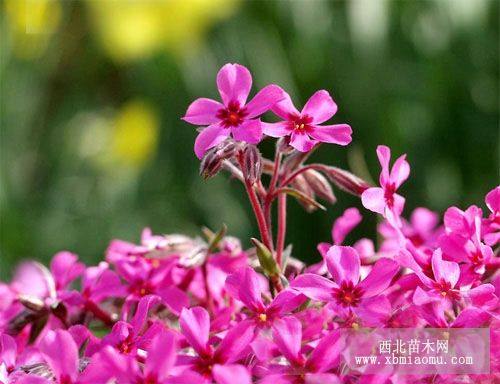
492,223
462,240
60,352
442,289
384,199
8,356
315,368
304,127
346,291
234,116
245,286
219,363
159,367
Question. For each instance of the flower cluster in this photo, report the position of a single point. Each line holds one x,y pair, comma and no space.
177,309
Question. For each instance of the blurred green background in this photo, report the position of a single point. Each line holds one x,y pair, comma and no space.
93,148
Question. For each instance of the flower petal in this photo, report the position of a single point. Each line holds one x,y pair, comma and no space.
471,318
373,199
209,137
8,350
320,107
384,157
231,373
286,301
65,268
400,171
325,355
264,100
343,263
302,142
59,350
195,326
234,82
336,134
235,342
421,297
162,353
203,111
285,108
314,286
174,298
287,334
250,131
244,285
279,129
483,296
444,270
379,277
344,224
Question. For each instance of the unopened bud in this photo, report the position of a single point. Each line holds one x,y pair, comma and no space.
266,259
320,185
283,146
346,180
31,302
252,162
300,183
213,159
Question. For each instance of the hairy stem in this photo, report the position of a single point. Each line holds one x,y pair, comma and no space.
209,298
257,210
99,313
280,237
268,200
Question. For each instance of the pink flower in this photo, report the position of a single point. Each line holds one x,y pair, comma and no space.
245,287
219,363
161,355
61,353
303,127
462,240
385,200
442,289
346,292
287,335
492,223
234,116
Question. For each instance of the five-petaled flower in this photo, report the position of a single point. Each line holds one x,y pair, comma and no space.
304,127
346,292
234,116
384,199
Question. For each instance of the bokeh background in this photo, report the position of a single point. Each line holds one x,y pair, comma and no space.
93,148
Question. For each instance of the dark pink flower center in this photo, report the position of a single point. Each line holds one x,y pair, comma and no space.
444,289
232,115
142,288
126,345
347,295
65,379
149,379
300,124
476,258
389,191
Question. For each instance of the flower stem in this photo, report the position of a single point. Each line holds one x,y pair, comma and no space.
268,200
257,208
209,299
280,238
99,313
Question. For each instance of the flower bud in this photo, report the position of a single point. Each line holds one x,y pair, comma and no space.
300,184
266,259
252,162
283,146
320,185
346,180
213,159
